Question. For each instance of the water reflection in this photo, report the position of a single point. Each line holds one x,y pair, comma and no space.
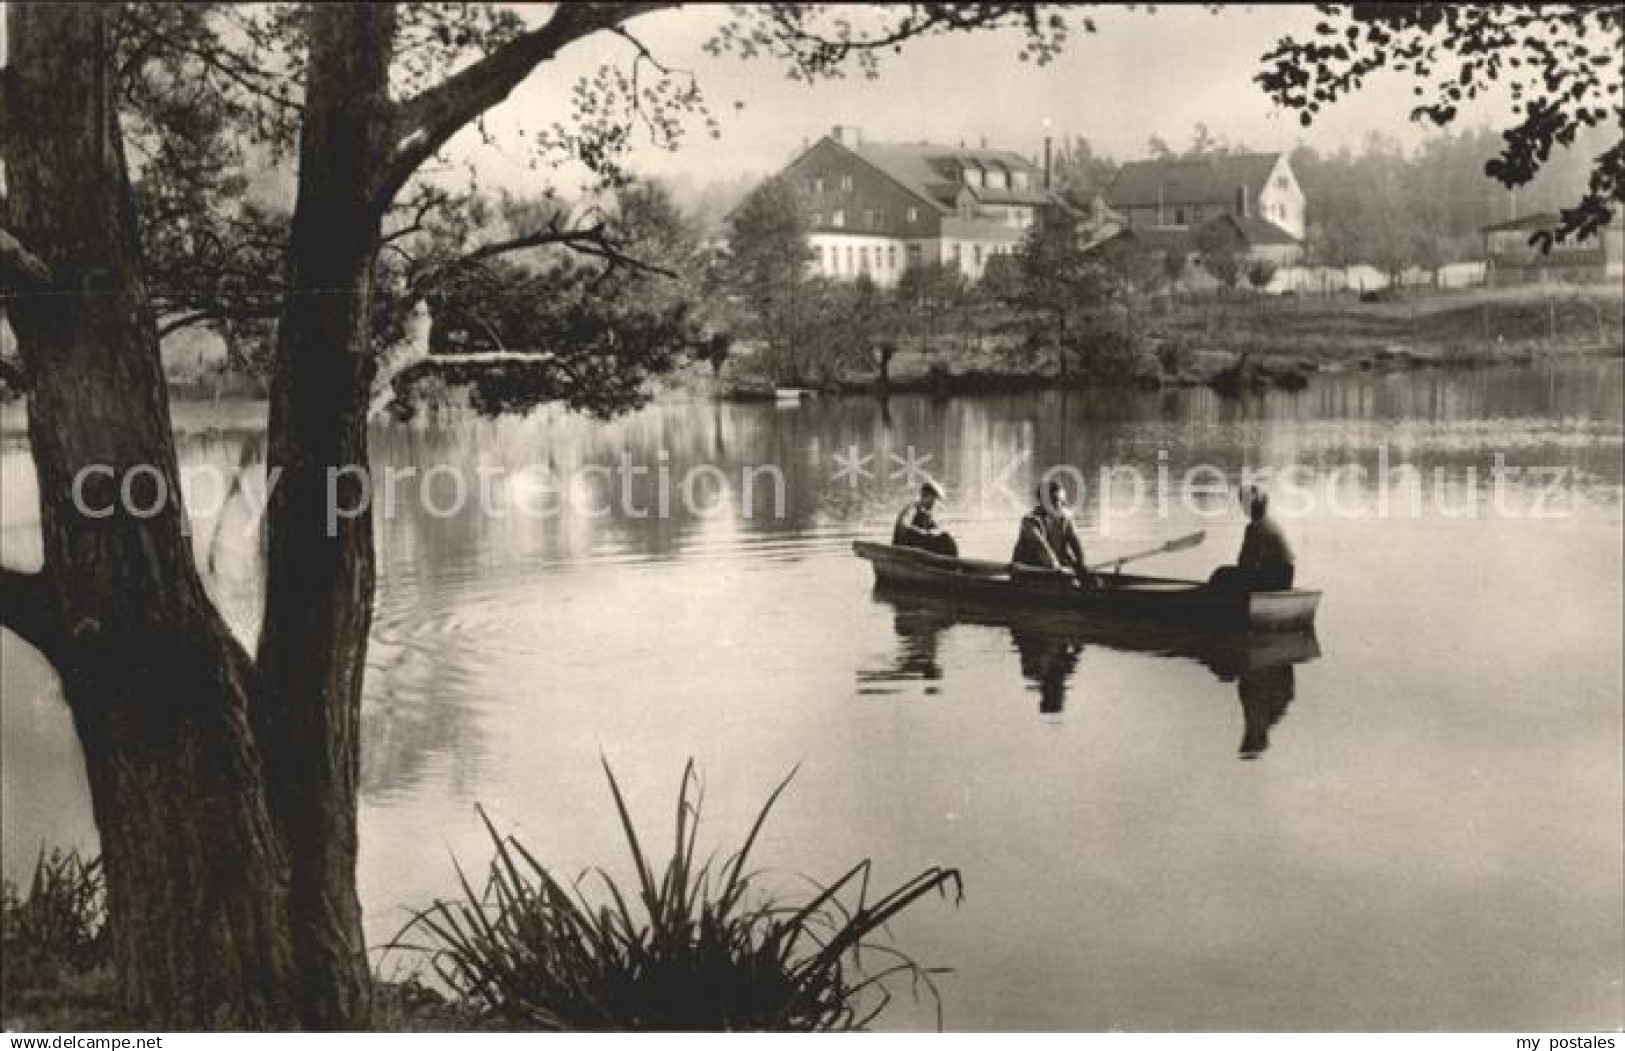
1047,661
1265,689
1049,647
510,652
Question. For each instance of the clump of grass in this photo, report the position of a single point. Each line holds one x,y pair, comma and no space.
699,950
53,938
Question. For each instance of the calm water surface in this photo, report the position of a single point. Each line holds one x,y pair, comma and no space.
1412,821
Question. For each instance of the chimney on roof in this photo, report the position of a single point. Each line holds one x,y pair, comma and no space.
1046,162
848,135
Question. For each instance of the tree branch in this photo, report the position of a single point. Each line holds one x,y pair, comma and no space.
591,240
180,321
20,269
27,608
424,123
398,360
594,240
431,200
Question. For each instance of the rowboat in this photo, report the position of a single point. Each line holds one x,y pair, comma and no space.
1165,599
1227,654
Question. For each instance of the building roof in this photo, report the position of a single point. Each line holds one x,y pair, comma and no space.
1208,179
1163,239
1250,230
1256,231
934,173
1537,221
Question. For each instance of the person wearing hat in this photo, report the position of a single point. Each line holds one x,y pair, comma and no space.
917,525
1266,562
1048,539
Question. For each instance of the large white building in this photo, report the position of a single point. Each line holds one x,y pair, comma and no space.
880,208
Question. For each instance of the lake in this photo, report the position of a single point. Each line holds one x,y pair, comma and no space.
1411,821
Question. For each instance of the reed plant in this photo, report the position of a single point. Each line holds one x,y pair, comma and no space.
53,935
695,946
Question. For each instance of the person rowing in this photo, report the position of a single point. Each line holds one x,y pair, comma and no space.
1266,562
917,525
1048,539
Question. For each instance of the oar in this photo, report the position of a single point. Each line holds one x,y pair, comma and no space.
1177,544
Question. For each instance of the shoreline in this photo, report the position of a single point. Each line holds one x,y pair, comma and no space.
1274,374
1227,373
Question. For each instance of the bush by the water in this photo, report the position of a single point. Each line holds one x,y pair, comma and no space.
53,943
695,947
692,947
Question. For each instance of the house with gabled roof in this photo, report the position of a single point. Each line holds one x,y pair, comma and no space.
1257,193
1513,259
880,208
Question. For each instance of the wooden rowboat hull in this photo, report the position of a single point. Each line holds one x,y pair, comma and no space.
1152,598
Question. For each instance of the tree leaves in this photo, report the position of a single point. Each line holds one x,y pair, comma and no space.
1545,52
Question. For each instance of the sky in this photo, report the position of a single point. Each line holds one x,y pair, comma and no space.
1142,73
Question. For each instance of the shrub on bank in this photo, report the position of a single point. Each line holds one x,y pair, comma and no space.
54,945
692,947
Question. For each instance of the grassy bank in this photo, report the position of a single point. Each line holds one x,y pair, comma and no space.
696,944
1247,340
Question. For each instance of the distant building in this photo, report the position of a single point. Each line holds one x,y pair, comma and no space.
1254,198
1250,238
1511,260
881,208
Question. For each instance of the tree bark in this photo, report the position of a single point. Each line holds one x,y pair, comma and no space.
158,688
319,557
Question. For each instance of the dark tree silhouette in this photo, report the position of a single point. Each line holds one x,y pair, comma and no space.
1561,62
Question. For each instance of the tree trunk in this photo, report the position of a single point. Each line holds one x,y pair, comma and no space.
158,688
319,561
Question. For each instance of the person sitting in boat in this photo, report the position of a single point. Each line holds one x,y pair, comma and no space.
1048,540
917,525
1266,562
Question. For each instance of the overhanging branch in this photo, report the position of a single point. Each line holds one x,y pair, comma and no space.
26,607
20,269
593,240
424,123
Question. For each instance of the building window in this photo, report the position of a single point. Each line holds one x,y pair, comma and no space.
837,218
1282,182
995,179
973,176
976,254
914,255
913,215
818,185
846,184
849,267
1179,217
1019,180
891,257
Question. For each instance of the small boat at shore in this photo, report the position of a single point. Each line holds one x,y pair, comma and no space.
1185,602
